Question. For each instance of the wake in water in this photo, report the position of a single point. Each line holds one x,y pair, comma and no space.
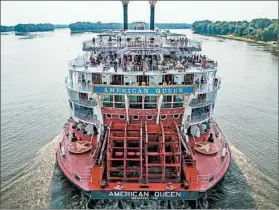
33,188
244,186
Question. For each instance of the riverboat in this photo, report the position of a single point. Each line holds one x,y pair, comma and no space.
141,132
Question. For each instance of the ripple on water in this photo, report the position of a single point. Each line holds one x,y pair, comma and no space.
33,188
242,186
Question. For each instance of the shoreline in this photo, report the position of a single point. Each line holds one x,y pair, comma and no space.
232,37
273,45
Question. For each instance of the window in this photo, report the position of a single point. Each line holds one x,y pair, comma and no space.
119,101
150,102
163,117
121,117
135,117
135,102
178,101
167,101
108,116
149,117
176,116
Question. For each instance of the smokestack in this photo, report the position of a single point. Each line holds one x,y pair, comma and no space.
152,14
125,13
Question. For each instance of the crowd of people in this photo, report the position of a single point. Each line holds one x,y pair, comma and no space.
151,63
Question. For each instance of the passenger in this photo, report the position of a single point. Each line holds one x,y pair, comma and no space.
124,65
203,62
119,62
211,139
115,65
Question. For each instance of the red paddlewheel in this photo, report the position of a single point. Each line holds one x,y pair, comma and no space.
79,147
206,148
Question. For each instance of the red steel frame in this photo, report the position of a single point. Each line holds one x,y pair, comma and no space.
136,151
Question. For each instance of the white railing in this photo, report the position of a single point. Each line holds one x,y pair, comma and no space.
73,172
89,103
86,117
157,42
207,87
133,68
199,118
198,102
206,178
82,178
78,87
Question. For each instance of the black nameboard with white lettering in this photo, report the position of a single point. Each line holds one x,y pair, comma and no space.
145,195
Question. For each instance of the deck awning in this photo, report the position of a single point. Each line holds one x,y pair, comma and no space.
143,51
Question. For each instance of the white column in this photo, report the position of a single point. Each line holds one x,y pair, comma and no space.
73,109
127,107
187,101
162,57
160,100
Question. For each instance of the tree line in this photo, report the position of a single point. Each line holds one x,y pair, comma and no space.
88,26
28,27
34,27
7,28
260,29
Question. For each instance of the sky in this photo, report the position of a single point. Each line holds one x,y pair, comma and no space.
65,12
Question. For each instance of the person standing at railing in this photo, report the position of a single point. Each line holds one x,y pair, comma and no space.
115,65
211,139
124,65
119,61
203,62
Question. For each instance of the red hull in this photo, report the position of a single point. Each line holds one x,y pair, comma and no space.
200,172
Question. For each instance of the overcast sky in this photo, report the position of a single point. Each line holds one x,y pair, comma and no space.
59,12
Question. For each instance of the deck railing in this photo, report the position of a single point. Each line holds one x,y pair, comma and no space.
155,43
89,103
200,102
82,178
90,67
207,178
86,117
211,86
210,177
201,117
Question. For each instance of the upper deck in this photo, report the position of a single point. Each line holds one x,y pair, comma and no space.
141,39
135,69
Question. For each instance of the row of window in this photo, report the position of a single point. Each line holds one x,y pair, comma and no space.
136,117
140,102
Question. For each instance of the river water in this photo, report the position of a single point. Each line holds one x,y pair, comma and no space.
34,108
